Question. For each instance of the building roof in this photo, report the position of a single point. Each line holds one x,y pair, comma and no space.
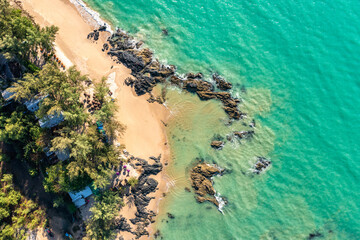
7,94
51,120
63,155
34,103
78,198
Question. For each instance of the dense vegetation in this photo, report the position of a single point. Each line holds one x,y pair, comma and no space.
17,214
102,223
26,49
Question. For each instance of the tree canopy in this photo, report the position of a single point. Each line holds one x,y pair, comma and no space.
20,37
17,213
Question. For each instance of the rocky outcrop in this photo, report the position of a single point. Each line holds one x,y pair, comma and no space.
221,83
196,85
145,186
148,72
230,104
261,164
136,60
217,144
201,182
122,225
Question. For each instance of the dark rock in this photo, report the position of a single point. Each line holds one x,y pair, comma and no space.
102,28
314,235
175,80
195,85
140,230
96,35
157,234
159,70
170,216
221,83
105,47
187,189
152,169
136,60
122,41
194,76
252,123
261,164
122,225
217,144
165,32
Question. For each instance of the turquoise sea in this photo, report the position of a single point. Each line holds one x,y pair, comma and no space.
299,62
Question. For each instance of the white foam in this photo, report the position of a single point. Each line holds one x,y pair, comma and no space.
82,8
220,201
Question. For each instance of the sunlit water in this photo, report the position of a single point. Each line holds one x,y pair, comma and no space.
300,64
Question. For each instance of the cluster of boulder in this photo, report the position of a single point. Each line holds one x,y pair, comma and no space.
202,183
206,91
148,72
219,144
140,192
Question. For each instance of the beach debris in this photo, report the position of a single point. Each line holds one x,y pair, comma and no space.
202,183
217,144
261,164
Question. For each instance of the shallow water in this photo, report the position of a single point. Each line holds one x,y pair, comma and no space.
300,63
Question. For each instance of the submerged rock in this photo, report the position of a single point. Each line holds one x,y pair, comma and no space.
165,32
261,164
244,134
221,83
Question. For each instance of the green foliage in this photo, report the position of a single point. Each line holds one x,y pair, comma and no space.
23,128
59,201
62,91
58,180
33,172
20,37
16,212
133,181
18,127
101,224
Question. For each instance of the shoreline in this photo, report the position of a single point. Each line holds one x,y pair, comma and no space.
145,133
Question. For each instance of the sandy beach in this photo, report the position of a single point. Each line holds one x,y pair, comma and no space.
145,134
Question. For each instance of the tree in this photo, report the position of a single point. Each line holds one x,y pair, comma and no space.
17,214
19,37
102,224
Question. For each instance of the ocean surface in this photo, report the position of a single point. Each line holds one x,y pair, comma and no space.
296,67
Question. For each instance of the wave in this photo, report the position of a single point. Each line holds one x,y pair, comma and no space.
220,201
95,16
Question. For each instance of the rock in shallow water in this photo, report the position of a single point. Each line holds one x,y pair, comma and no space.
261,164
201,182
217,144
